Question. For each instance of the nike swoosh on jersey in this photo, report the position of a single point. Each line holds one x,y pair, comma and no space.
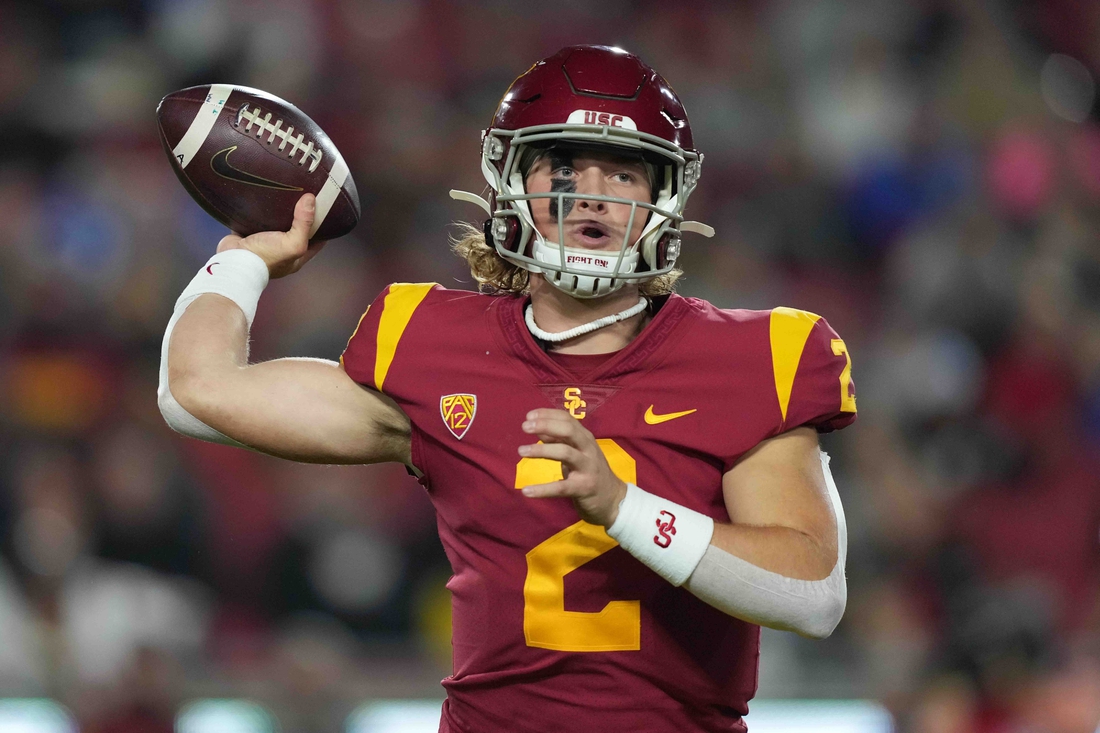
652,418
220,164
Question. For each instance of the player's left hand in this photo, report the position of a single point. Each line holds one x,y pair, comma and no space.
587,478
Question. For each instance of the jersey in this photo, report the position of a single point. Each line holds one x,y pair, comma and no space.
556,627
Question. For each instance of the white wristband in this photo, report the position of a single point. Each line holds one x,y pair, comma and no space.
236,274
668,538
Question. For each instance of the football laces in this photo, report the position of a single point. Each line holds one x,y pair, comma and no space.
263,124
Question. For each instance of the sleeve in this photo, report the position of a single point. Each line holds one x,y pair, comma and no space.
373,345
812,370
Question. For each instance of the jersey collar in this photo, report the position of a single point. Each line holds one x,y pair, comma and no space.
641,354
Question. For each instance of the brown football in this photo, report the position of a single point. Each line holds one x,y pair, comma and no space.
247,156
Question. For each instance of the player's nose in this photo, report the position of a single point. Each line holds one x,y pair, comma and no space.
588,205
592,183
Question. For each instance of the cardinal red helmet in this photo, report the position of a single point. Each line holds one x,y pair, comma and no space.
601,97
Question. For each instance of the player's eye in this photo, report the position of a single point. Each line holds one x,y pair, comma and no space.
625,178
563,172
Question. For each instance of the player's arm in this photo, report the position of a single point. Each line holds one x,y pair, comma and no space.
782,517
301,409
779,563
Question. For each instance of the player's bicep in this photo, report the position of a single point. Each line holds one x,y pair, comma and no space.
780,483
309,410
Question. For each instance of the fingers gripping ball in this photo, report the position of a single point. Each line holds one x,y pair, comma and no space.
247,157
283,252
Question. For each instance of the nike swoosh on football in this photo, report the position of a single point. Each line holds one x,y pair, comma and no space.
220,164
654,419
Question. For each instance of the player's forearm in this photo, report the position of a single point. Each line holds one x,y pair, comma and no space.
207,362
776,576
214,313
784,550
209,347
194,375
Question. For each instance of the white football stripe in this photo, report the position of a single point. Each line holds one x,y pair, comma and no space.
330,191
200,126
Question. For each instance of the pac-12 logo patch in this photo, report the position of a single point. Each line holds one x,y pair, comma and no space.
458,412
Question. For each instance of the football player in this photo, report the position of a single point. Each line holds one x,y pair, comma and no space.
628,483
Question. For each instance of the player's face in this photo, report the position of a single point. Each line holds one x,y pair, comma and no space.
588,224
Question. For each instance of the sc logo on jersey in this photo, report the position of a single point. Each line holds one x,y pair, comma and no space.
573,402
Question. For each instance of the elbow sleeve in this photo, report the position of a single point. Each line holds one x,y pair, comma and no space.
808,607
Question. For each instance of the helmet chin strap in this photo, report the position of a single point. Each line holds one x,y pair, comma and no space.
584,273
599,323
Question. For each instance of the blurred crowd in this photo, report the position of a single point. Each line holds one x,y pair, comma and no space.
926,174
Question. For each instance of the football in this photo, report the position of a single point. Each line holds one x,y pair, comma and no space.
247,156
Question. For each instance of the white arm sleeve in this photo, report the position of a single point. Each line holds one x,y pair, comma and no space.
809,607
236,274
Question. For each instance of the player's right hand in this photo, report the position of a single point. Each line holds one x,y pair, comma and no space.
587,478
283,252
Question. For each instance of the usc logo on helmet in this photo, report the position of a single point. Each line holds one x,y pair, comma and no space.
591,117
573,402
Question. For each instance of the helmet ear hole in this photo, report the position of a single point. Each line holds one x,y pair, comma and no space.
667,250
501,231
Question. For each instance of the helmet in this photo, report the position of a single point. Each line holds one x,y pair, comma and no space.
590,96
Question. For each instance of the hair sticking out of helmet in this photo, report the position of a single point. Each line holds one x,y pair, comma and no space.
590,98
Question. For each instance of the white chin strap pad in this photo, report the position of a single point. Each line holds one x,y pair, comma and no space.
591,272
808,607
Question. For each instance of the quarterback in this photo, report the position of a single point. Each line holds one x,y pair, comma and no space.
628,483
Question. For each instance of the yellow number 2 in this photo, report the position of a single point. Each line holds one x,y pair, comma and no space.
546,623
847,400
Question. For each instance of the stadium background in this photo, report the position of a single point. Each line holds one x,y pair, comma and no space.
925,174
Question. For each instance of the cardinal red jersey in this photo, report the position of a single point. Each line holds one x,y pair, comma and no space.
555,626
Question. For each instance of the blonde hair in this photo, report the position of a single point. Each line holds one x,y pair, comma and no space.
497,275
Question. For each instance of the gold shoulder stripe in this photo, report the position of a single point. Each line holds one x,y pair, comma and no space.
397,309
788,330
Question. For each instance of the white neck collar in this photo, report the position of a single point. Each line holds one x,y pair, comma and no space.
538,333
